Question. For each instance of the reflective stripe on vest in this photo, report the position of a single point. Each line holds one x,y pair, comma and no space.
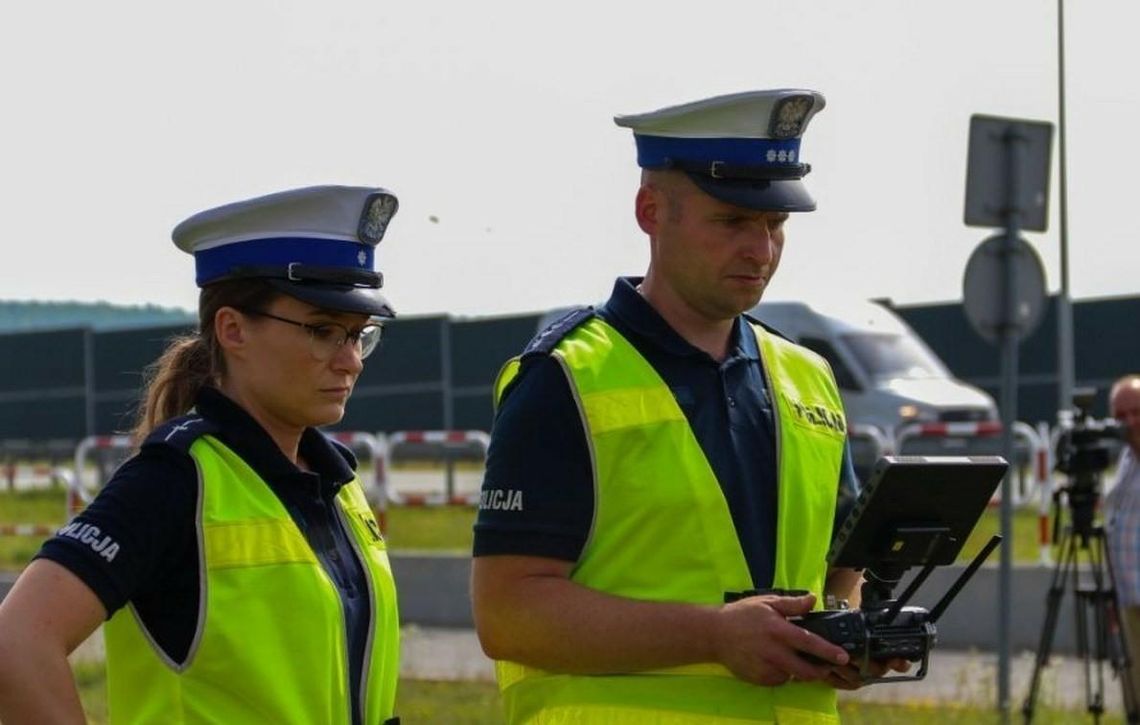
683,547
270,642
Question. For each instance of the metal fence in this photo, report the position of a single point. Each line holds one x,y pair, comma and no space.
435,373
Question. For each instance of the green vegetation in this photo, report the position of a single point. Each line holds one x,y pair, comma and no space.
1026,547
437,527
476,703
39,506
91,679
417,701
927,713
37,315
423,701
27,507
17,551
444,528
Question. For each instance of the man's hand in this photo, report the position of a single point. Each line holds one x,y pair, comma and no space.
755,640
848,676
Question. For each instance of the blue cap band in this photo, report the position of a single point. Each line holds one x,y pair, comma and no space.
658,152
218,262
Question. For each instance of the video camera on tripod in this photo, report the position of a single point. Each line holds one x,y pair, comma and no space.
914,511
1083,452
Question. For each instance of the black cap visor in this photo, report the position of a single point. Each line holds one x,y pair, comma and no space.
759,194
337,298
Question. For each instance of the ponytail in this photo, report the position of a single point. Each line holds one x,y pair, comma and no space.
173,381
191,362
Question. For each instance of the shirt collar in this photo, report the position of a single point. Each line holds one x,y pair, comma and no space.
253,444
638,316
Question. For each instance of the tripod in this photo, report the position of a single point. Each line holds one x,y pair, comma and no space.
1094,607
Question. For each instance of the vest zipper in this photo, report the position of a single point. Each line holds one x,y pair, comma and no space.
341,582
365,666
773,399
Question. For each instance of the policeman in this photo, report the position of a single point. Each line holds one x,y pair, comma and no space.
664,450
239,567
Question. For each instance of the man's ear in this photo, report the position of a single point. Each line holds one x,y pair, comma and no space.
648,208
229,329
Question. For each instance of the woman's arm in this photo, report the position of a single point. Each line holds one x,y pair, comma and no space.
47,614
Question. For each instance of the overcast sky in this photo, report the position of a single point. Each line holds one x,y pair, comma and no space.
493,124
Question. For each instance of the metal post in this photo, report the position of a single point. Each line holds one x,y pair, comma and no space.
448,403
1065,372
1009,344
88,382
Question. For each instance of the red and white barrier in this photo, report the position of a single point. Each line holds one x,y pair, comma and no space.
28,529
439,437
371,448
21,476
78,494
962,429
1024,487
875,435
442,439
1043,467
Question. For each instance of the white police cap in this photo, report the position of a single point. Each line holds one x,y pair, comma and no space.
742,148
315,244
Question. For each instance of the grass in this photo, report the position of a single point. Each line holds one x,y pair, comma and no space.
476,703
35,506
1026,549
91,680
445,528
27,507
417,701
862,713
469,703
441,528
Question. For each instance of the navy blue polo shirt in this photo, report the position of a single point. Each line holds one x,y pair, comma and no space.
538,489
149,511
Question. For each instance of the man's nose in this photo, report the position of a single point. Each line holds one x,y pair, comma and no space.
1129,420
762,242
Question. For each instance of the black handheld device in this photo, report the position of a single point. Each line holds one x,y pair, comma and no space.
913,511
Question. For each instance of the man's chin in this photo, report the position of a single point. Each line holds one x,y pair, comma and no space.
747,302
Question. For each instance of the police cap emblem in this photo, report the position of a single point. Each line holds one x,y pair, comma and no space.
378,211
788,116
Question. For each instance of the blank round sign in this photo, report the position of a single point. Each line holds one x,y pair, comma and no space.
983,289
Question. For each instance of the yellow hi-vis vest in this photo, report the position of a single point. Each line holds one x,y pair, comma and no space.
663,531
270,645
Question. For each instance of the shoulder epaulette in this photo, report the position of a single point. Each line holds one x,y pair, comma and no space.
767,327
545,341
181,432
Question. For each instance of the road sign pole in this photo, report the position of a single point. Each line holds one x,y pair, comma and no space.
1009,341
1003,292
1065,372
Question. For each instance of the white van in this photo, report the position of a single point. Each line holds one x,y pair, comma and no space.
887,375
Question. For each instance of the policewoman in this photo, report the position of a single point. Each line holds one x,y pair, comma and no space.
239,568
664,453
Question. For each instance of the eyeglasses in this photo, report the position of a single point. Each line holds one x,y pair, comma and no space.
326,338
